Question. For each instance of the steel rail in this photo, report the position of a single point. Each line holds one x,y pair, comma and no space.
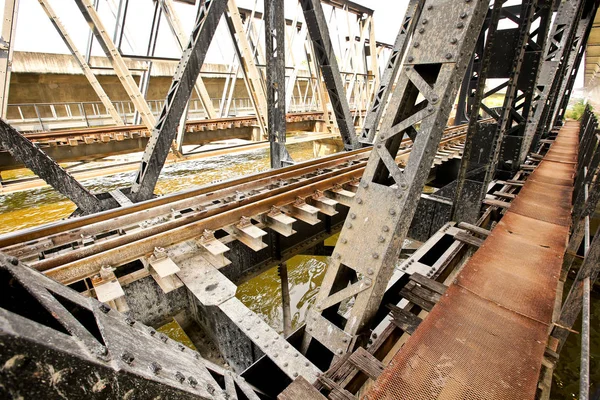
25,237
251,206
68,133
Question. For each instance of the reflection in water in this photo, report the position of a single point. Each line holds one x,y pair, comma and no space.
263,293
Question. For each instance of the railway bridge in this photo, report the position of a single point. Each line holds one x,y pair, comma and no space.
468,289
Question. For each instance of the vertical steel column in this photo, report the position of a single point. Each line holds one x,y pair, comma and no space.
275,53
367,135
47,169
178,96
9,26
62,31
112,53
177,29
564,23
371,239
325,56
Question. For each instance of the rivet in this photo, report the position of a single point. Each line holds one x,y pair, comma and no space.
286,346
275,355
179,376
295,374
285,364
155,367
454,40
410,58
385,228
349,225
310,329
379,146
448,56
339,351
359,201
193,382
375,256
421,30
13,260
344,241
425,21
306,364
353,216
463,15
381,239
430,7
345,340
460,25
337,255
296,354
370,271
365,184
416,45
392,212
435,99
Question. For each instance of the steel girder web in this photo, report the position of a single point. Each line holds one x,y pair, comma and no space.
484,140
275,53
178,96
59,344
323,50
372,237
565,22
367,135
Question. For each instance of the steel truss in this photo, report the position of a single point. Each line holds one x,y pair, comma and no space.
325,56
178,95
485,145
57,343
555,51
386,200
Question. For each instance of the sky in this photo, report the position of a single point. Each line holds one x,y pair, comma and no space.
36,33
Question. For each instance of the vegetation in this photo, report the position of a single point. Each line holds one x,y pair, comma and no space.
576,110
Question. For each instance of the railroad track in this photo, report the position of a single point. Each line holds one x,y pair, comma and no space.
108,133
72,250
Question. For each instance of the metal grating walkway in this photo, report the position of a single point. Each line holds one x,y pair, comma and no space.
486,337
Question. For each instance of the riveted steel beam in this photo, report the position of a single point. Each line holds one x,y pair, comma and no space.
367,134
323,50
47,169
558,43
386,200
178,95
275,54
480,160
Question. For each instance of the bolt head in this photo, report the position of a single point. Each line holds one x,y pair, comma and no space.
448,56
370,271
421,30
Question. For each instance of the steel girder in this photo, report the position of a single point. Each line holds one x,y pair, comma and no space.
372,237
480,160
559,41
275,53
367,135
58,344
575,57
323,50
47,169
178,96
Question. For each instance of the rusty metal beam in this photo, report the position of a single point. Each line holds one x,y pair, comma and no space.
47,169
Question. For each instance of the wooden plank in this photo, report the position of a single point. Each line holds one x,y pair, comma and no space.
300,389
403,319
505,195
368,364
474,229
468,239
337,392
496,203
430,284
413,298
